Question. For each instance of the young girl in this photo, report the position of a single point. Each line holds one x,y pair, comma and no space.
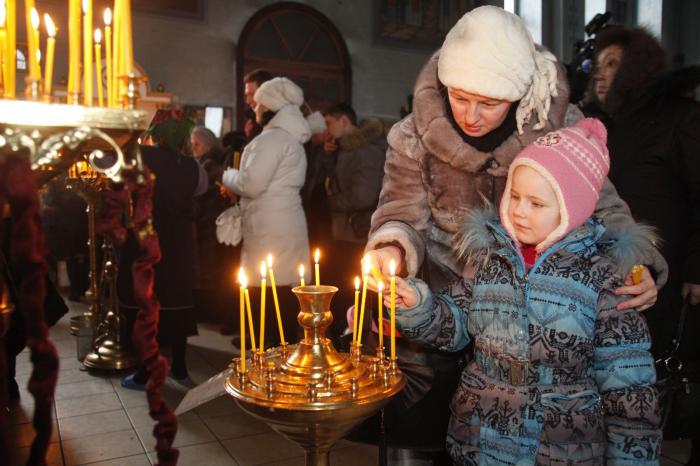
559,375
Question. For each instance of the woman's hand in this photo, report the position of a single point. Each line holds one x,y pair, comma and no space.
406,295
644,292
380,260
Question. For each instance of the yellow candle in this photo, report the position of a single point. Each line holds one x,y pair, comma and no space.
392,310
380,321
357,304
128,39
263,290
50,50
3,46
87,51
33,40
108,57
365,278
116,55
250,320
73,51
301,274
243,281
274,297
98,66
317,256
10,48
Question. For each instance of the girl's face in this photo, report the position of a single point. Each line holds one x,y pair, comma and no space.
533,210
477,115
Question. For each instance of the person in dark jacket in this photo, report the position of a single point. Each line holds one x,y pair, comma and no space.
251,82
654,142
177,178
353,193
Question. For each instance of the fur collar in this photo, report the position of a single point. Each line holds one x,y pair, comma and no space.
371,129
443,141
290,119
482,234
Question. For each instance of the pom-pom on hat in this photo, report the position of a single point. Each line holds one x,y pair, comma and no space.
575,162
316,122
491,53
279,92
171,127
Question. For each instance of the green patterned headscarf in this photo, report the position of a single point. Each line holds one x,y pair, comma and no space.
172,128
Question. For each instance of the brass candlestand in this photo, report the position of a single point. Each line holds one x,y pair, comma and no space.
309,392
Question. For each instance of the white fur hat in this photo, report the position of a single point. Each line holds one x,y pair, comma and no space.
278,92
316,122
490,52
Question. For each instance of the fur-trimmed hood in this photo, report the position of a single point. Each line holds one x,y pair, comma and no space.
367,133
442,140
290,119
482,234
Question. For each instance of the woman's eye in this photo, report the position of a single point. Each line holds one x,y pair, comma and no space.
537,204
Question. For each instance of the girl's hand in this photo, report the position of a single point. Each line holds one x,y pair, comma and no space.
406,296
644,292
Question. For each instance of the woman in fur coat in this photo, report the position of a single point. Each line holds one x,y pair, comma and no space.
273,169
486,94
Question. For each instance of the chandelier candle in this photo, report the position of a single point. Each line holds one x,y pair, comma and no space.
263,292
317,256
243,281
274,297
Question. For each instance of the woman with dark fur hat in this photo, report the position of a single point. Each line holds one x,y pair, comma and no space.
654,142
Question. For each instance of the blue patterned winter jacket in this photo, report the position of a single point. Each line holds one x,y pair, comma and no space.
559,375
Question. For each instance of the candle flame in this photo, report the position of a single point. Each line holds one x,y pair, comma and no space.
35,18
98,36
317,255
38,55
263,269
50,26
380,286
366,266
3,14
269,261
242,279
392,267
301,270
108,16
357,283
86,6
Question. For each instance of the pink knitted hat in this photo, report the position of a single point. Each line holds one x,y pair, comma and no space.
575,161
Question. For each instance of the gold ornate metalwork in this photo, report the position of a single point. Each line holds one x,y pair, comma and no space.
309,392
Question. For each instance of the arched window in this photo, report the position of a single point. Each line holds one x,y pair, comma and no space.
21,60
296,41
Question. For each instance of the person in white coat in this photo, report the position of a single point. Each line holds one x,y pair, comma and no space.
272,172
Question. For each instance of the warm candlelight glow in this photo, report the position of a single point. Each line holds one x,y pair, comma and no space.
263,269
365,276
35,18
392,267
357,303
301,274
366,265
3,14
50,26
392,308
108,16
317,256
357,283
242,279
98,36
86,6
380,287
269,261
380,316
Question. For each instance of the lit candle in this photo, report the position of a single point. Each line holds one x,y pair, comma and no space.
50,50
301,274
128,39
263,290
380,290
365,278
87,51
249,310
98,66
274,297
117,53
357,305
243,281
10,48
73,51
108,57
33,39
3,46
392,309
317,256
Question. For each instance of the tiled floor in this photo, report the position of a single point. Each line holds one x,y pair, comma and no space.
98,422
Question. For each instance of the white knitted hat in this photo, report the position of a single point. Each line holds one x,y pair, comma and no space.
491,53
278,92
316,122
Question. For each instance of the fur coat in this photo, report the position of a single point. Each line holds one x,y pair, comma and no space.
432,177
559,375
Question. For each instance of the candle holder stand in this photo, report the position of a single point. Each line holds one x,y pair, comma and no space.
309,392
